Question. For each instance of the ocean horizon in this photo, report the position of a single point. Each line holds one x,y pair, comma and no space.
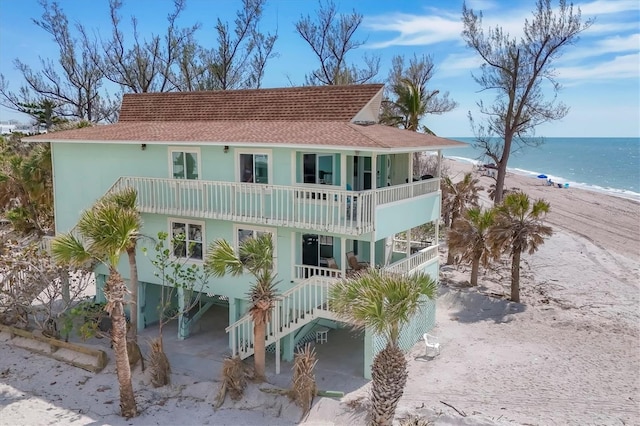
607,165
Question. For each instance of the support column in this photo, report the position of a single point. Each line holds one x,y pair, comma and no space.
408,248
343,258
101,280
343,170
288,347
374,171
410,171
372,251
142,303
233,312
368,353
183,321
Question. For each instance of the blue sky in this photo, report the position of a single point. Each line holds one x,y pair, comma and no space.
600,75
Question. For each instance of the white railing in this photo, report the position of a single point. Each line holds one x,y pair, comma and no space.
317,207
302,272
241,333
306,302
320,207
411,263
391,194
293,309
400,245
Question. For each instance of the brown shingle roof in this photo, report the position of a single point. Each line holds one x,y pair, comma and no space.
260,133
323,103
307,116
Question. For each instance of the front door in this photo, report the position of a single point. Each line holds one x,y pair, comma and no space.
310,254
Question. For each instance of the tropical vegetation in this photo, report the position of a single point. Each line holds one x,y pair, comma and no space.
383,303
519,228
26,185
103,234
178,278
255,256
468,238
520,71
456,199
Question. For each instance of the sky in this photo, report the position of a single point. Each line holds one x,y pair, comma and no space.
600,74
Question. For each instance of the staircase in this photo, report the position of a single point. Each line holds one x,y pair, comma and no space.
295,308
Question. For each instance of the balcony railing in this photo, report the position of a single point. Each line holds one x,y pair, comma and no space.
319,208
416,260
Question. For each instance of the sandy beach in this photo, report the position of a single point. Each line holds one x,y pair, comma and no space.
568,355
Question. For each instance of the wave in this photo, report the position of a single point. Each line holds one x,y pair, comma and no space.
616,192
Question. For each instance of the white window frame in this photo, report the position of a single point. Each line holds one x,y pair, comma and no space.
187,222
317,166
266,152
249,227
185,149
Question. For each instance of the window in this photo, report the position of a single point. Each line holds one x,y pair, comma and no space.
317,168
243,233
184,163
326,247
254,168
190,239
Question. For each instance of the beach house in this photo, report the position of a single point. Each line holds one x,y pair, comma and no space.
309,165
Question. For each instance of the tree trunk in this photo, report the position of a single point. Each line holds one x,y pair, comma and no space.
114,291
450,253
475,266
515,276
133,283
259,356
502,169
388,379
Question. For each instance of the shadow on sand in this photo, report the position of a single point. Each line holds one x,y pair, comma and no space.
469,305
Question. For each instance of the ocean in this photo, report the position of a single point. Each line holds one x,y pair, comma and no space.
610,165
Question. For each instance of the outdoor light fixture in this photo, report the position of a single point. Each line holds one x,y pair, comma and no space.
143,146
226,149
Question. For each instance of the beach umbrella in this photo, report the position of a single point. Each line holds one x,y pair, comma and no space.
542,176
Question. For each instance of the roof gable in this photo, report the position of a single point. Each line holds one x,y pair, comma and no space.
308,103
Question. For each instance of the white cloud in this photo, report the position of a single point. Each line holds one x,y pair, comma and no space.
621,67
603,7
610,45
610,27
415,29
456,63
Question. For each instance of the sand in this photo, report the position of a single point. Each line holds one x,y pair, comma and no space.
569,354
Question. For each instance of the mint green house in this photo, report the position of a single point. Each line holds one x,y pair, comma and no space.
309,165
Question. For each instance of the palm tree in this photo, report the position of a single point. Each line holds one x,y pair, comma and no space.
126,199
385,303
104,233
468,237
255,255
458,197
518,227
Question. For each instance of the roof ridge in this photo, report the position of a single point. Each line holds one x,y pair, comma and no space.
312,103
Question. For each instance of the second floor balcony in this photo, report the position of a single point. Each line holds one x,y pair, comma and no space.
322,208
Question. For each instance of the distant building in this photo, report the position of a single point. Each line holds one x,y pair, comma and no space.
7,129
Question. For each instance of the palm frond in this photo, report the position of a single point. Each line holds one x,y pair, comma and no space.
222,259
257,253
381,301
125,198
69,249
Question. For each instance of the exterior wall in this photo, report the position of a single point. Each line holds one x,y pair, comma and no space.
232,287
397,217
84,172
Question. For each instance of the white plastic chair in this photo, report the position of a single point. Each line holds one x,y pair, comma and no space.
431,342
